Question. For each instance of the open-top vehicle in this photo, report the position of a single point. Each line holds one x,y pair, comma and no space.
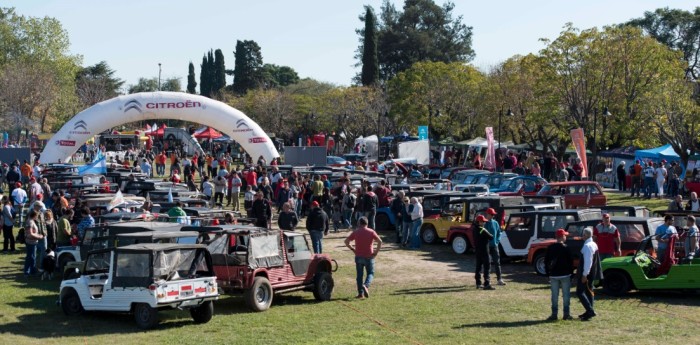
260,263
141,279
643,271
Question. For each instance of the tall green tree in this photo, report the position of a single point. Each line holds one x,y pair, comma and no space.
191,79
248,65
204,81
423,31
151,84
97,83
219,75
370,60
274,76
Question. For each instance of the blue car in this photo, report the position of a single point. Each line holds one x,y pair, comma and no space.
520,185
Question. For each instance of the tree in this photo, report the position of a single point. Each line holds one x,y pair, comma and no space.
677,29
151,84
424,31
28,92
97,83
219,72
249,61
370,61
205,75
274,76
191,79
171,84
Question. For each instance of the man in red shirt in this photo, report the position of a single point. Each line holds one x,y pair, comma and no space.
607,237
364,238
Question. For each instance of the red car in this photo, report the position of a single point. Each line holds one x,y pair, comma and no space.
577,194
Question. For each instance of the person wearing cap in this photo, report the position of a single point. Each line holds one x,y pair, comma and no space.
482,237
365,254
636,172
663,234
588,271
495,230
607,237
621,177
317,225
559,265
691,239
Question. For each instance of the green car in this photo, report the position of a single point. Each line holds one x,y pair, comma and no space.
643,271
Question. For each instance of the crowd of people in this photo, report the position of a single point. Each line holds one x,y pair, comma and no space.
647,177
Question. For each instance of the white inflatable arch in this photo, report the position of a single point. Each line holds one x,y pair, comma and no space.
158,105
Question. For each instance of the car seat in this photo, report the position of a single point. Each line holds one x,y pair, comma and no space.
669,257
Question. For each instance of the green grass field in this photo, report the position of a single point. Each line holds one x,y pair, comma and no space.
419,297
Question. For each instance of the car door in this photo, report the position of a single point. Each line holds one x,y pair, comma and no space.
298,253
517,234
94,278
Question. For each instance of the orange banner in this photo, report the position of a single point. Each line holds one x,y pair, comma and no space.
579,142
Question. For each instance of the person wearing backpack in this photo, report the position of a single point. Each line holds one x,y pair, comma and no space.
347,207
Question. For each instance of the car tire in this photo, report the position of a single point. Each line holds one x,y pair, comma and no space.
63,261
428,234
538,263
382,222
460,244
259,296
70,303
615,283
323,286
203,313
145,316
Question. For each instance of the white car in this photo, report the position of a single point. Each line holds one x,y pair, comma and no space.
143,278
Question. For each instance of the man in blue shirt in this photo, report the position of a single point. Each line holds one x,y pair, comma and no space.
663,234
494,229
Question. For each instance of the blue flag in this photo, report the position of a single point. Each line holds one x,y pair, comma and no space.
98,167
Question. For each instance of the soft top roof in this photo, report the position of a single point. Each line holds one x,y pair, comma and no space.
226,228
153,247
564,211
160,234
152,226
622,219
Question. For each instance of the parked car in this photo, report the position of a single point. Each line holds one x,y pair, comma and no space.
461,238
626,211
632,231
577,194
261,263
142,279
336,161
466,176
520,185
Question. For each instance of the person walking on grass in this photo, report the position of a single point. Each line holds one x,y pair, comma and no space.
317,225
588,271
559,264
483,260
365,254
495,230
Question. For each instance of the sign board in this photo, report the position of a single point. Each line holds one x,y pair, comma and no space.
422,132
305,155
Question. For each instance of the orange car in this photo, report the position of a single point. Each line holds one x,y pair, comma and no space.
577,194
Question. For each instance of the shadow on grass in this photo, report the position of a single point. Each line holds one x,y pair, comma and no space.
430,290
657,298
499,324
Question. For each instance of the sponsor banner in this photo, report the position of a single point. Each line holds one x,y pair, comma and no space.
490,161
422,132
257,140
579,142
65,142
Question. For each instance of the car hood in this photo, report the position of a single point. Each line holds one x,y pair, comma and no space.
616,262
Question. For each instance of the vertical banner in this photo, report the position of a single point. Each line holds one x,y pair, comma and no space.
579,142
422,132
490,161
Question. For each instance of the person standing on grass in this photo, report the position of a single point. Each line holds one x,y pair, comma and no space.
495,230
607,237
483,260
32,238
317,225
559,264
287,219
365,254
588,270
416,214
7,224
636,172
261,211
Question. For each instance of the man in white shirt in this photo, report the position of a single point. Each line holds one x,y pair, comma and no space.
649,182
588,271
660,179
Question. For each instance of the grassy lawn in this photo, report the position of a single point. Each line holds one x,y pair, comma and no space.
419,297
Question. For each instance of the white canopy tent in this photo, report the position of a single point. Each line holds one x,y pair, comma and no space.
371,144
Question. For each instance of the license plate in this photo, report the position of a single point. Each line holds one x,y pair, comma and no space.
186,293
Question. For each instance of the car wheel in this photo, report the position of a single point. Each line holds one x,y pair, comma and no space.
460,245
145,316
323,286
428,235
63,261
539,264
203,313
615,283
382,222
259,296
70,303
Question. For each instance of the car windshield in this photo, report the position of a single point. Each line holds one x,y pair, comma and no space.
445,173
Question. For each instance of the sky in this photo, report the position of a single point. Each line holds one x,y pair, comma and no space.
315,37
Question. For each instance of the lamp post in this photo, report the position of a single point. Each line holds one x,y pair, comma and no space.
500,115
159,76
606,113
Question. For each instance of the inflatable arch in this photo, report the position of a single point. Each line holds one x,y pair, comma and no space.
158,105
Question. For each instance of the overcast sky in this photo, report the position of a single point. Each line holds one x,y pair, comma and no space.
315,37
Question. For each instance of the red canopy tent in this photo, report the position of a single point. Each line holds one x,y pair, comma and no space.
209,133
157,133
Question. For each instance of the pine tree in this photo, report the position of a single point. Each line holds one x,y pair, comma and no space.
191,83
204,86
248,66
370,61
219,80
